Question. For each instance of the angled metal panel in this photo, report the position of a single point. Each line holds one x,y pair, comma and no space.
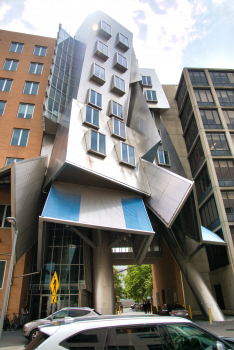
210,237
28,199
135,71
169,192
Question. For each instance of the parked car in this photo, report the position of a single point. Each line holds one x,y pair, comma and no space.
173,310
142,332
30,329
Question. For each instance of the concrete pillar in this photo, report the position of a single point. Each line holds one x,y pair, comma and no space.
103,284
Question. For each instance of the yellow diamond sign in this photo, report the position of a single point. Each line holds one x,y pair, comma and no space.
54,284
54,299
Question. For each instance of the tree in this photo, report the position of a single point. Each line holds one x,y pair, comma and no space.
138,282
118,280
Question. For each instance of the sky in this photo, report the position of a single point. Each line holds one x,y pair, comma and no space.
168,34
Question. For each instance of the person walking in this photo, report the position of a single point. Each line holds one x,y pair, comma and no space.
148,305
25,315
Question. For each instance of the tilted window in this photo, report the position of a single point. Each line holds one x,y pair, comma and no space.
118,128
13,160
5,84
116,110
146,81
35,68
31,88
16,47
151,96
95,99
10,65
163,157
101,50
25,111
92,116
123,42
2,107
98,74
118,85
96,142
105,29
120,62
127,154
19,137
40,51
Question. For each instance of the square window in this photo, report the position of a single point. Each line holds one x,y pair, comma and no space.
118,85
151,96
123,42
105,29
2,107
98,74
163,157
19,137
95,99
116,109
35,68
118,128
5,84
16,47
40,51
127,154
120,62
13,160
90,116
146,81
96,142
25,111
10,65
101,50
31,88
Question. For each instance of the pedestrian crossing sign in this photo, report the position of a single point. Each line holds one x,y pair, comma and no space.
54,284
54,299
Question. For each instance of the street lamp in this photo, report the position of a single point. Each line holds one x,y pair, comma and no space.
13,222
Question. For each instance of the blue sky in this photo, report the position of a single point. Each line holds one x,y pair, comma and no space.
168,34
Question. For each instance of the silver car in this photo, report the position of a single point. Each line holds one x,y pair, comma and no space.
147,332
30,329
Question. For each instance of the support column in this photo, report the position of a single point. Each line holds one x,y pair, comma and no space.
103,284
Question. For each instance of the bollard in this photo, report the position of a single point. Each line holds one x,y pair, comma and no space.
210,316
190,312
119,310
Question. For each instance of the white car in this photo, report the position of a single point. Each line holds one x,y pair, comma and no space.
127,333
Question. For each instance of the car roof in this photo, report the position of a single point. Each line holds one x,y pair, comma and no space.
113,321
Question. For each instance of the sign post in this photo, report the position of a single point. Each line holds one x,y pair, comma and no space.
54,284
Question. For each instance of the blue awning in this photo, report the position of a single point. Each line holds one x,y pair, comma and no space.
210,237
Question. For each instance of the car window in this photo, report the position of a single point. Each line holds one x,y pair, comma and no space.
76,313
186,337
177,307
60,314
92,340
137,338
38,340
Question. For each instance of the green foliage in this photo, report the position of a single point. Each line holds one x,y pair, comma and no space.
118,280
138,282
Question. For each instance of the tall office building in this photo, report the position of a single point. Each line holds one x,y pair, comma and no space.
108,186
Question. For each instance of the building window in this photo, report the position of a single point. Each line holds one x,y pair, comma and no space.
2,107
163,157
19,137
116,109
198,78
31,88
151,96
16,47
219,79
120,62
186,113
98,74
203,184
105,29
35,68
40,51
226,97
229,117
2,272
10,65
225,172
5,212
228,201
209,214
13,160
191,134
210,119
5,84
118,128
181,93
92,116
95,99
146,81
197,157
204,97
218,145
97,142
123,42
101,50
25,111
217,254
127,154
118,85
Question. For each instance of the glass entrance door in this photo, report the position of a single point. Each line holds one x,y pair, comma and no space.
45,306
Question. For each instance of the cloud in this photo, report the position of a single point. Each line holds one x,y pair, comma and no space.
142,27
160,7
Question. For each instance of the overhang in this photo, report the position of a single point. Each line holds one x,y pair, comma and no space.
209,237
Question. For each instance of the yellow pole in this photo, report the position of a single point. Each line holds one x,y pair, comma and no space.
210,316
190,312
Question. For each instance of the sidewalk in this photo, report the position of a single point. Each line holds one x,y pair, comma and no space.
13,340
